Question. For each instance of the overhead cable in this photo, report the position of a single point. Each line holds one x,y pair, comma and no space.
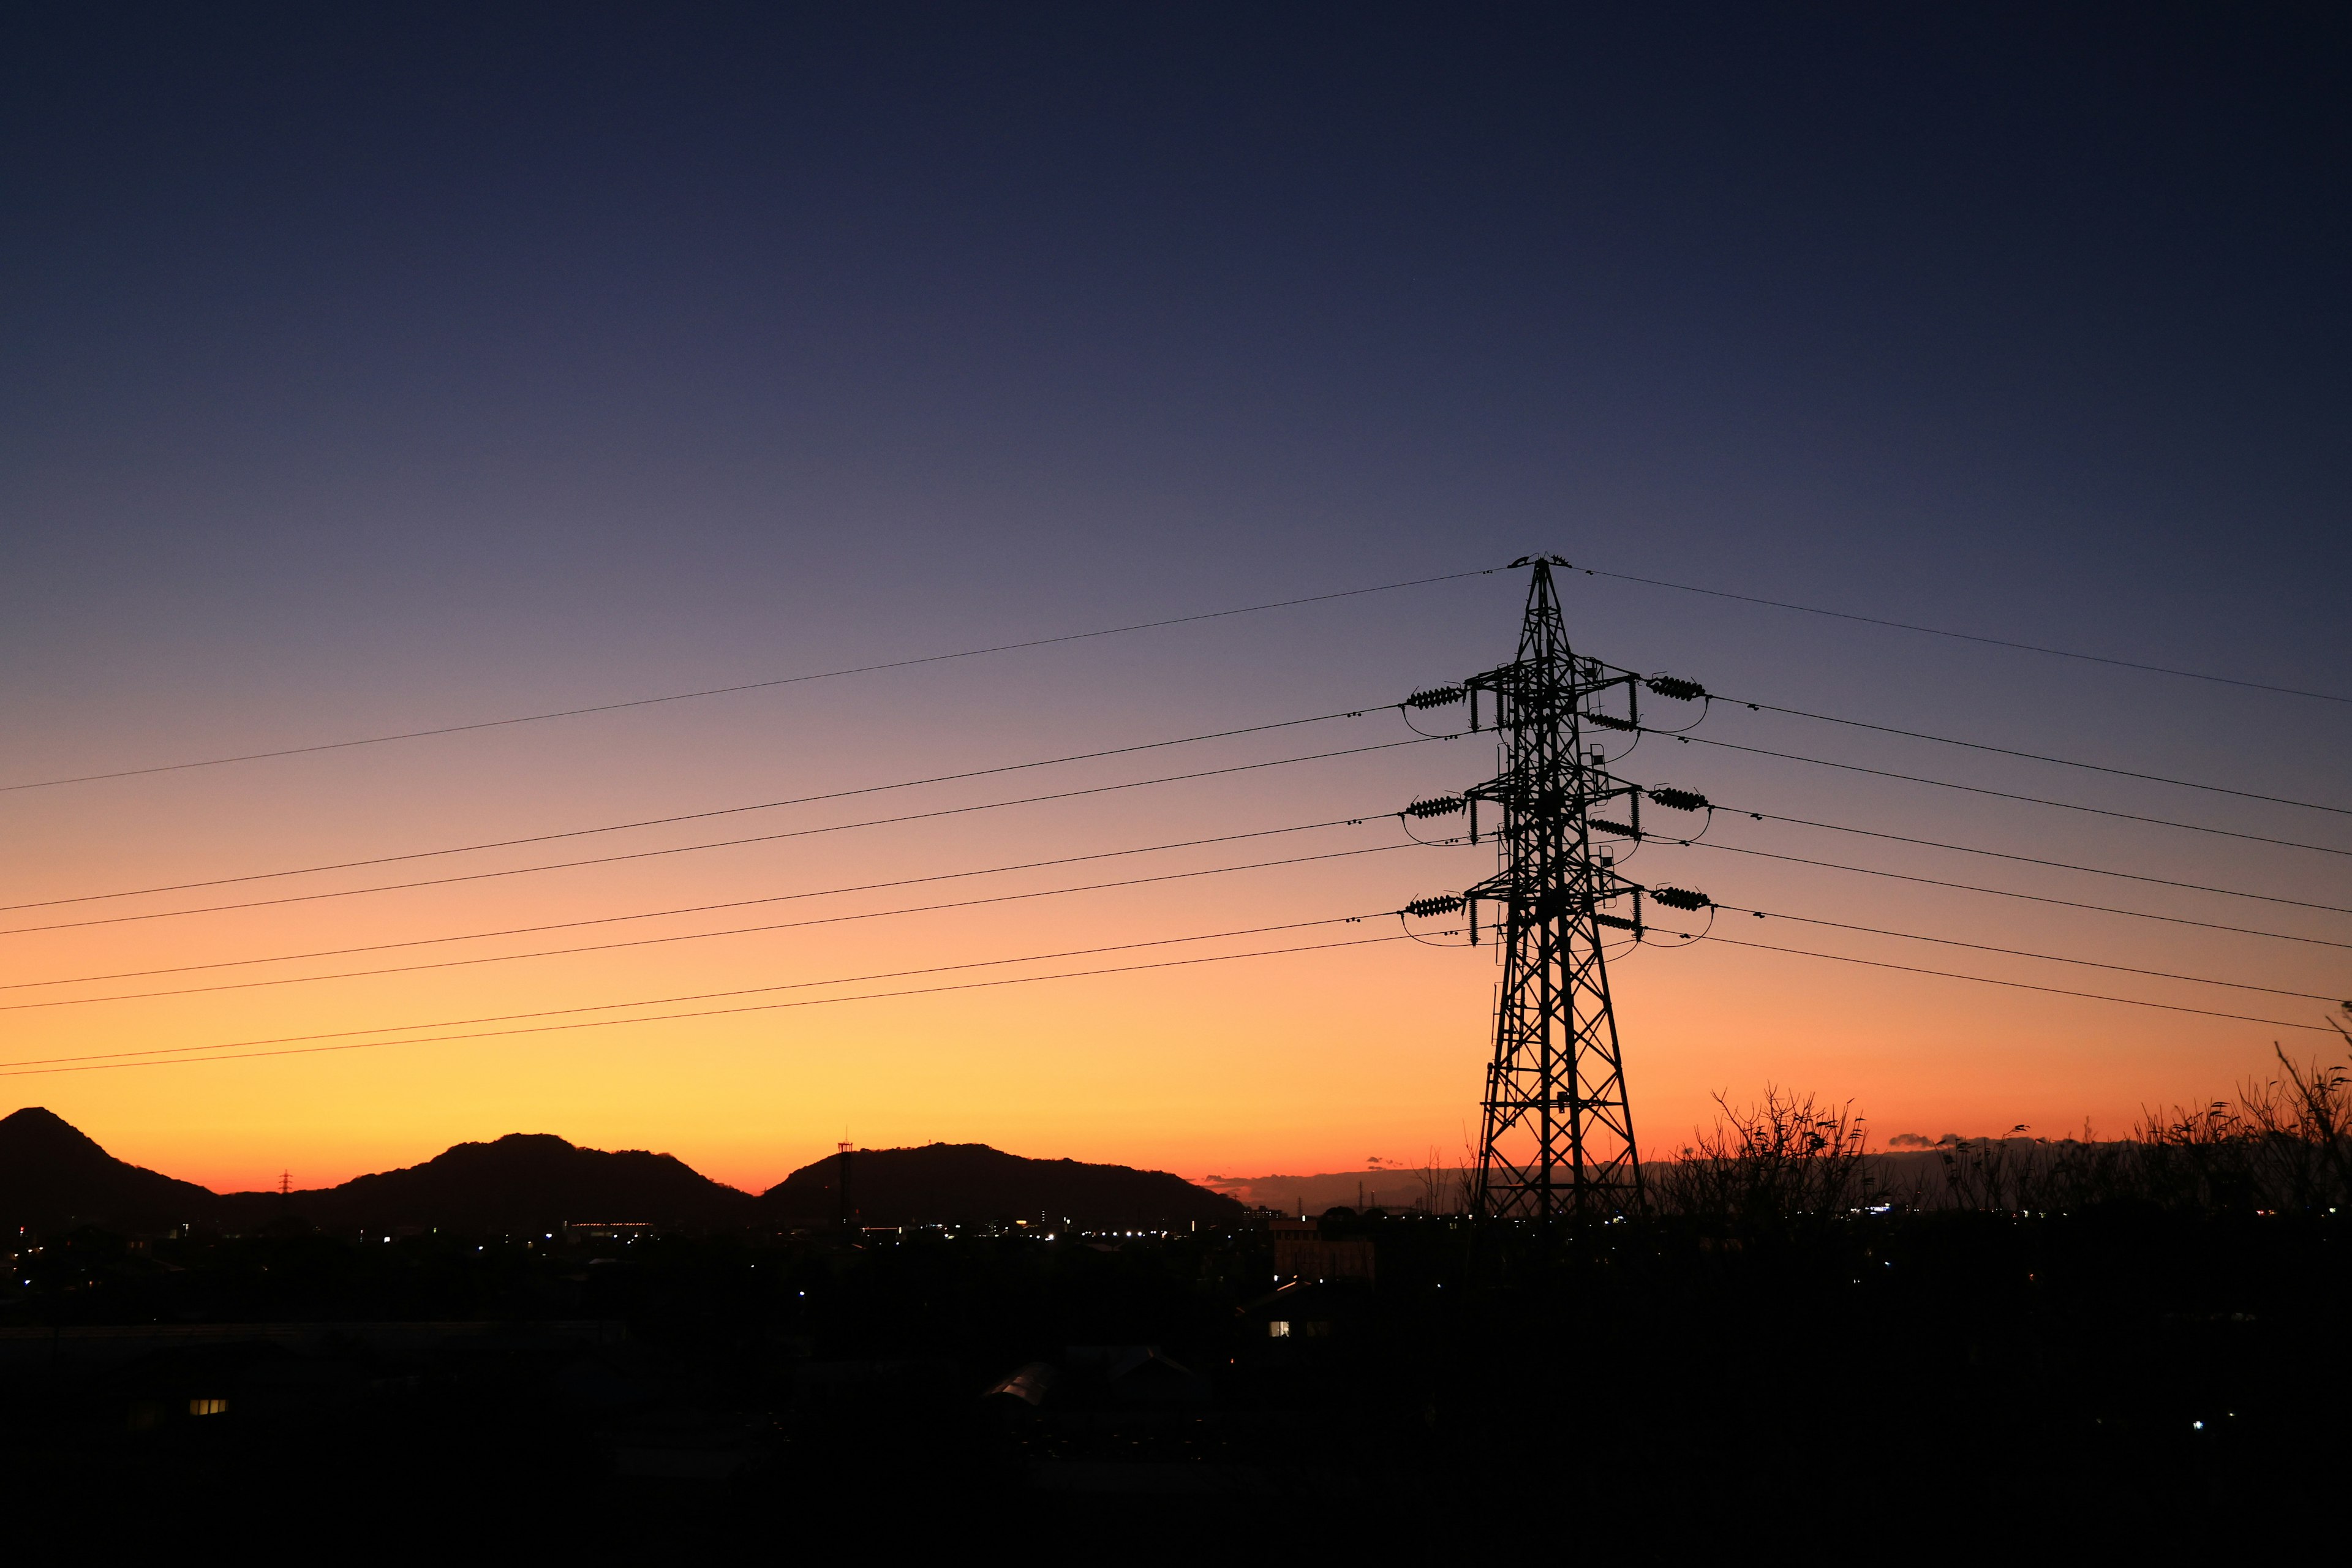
688,815
177,1055
2039,757
1968,636
719,844
2028,952
2020,985
685,908
746,686
2007,893
2055,865
750,931
2006,794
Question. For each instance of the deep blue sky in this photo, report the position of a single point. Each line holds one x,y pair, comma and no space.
1846,298
362,367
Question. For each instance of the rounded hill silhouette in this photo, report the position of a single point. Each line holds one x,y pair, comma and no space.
973,1184
527,1179
53,1175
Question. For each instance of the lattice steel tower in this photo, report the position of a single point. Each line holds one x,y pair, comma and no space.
1558,1130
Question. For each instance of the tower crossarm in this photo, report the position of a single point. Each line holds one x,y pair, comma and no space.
1531,691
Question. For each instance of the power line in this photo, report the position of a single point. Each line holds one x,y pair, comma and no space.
2005,794
687,817
2022,985
1968,636
746,686
2057,865
688,908
697,996
125,1058
776,926
2039,757
2027,953
719,844
2006,893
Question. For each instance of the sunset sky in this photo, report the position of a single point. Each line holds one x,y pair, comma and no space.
375,369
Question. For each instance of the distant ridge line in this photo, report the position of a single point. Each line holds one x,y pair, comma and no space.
53,1177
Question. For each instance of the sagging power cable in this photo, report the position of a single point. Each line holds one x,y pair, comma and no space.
1968,636
2038,860
688,815
2019,985
2027,953
2026,897
718,844
2026,799
746,686
541,928
2041,757
182,1055
773,926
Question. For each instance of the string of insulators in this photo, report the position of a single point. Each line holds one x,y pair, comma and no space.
1434,697
1616,827
1674,799
1609,721
1676,687
1680,899
1440,904
1435,806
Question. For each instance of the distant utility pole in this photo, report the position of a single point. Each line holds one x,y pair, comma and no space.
285,1182
1558,1139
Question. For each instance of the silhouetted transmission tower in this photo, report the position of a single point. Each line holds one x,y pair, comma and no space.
1558,1131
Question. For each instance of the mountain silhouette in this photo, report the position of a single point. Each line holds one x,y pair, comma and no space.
971,1183
53,1177
515,1183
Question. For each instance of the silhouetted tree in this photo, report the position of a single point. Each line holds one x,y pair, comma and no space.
1784,1156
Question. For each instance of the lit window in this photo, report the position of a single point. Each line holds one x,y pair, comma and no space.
1280,1329
208,1406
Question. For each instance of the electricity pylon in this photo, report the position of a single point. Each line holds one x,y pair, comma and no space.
1558,1139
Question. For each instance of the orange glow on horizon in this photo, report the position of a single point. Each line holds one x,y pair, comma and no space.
1292,1064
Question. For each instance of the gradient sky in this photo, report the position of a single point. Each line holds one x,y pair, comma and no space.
371,368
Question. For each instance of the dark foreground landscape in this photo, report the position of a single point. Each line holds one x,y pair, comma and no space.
1775,1370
